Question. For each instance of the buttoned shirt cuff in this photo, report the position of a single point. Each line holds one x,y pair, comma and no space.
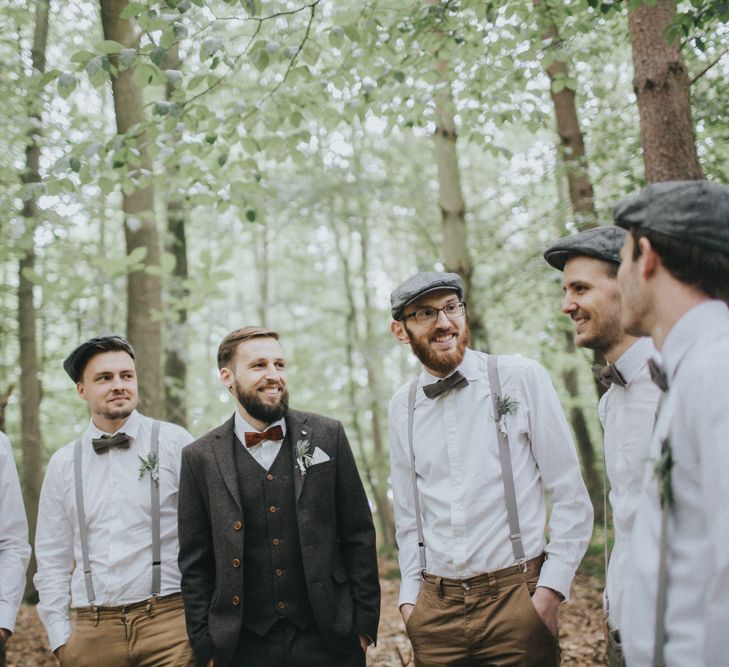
409,591
557,576
58,634
7,617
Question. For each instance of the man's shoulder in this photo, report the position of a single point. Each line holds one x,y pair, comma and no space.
314,419
202,444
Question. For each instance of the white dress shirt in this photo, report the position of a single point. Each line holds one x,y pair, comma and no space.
695,417
266,451
627,414
14,547
459,480
118,513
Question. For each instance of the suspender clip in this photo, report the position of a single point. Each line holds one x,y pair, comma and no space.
521,564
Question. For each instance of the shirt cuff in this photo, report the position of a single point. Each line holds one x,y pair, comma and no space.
7,617
409,591
58,634
557,576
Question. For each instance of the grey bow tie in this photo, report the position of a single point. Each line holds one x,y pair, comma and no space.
106,442
607,375
658,375
445,385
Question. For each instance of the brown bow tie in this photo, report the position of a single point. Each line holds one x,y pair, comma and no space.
658,375
254,438
607,375
106,442
445,385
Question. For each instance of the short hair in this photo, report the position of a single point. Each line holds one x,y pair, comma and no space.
229,344
695,265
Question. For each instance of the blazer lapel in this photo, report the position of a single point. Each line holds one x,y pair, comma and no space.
296,430
223,449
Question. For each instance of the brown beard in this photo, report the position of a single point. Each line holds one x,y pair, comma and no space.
441,362
257,409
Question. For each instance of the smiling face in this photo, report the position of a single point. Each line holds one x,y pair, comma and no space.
109,386
440,345
592,300
256,376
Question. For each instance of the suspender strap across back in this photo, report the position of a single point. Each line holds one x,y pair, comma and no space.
155,516
507,474
418,518
662,589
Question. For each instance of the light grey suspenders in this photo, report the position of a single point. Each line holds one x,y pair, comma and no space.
506,471
662,590
83,528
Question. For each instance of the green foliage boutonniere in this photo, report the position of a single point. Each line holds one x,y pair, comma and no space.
663,469
304,454
506,406
149,465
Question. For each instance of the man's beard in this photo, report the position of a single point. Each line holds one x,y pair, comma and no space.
441,362
116,414
256,408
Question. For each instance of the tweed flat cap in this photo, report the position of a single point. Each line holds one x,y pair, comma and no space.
422,283
694,211
600,243
75,363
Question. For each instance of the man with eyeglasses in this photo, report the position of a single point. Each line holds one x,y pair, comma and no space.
475,441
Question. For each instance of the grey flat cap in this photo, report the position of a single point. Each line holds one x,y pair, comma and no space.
75,363
693,211
422,283
600,243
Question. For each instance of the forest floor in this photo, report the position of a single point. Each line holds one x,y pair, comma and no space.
581,635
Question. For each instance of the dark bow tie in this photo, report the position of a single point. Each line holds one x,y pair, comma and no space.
106,442
445,385
254,438
658,375
607,375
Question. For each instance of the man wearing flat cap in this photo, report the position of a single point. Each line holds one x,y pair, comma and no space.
674,280
106,541
475,441
589,262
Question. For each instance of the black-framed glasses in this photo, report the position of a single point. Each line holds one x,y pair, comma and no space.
428,315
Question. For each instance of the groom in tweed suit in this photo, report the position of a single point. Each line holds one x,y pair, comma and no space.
277,544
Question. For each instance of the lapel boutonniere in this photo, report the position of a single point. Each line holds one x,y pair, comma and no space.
506,406
663,473
149,465
304,454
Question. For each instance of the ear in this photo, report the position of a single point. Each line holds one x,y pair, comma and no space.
398,330
227,378
650,260
80,390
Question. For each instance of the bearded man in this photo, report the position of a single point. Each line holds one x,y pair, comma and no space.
475,441
277,544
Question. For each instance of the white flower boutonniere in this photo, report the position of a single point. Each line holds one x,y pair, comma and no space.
304,454
149,465
506,406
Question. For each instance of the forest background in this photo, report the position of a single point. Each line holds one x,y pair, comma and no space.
174,170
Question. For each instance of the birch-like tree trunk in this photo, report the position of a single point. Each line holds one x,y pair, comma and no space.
450,193
662,88
30,388
144,289
176,335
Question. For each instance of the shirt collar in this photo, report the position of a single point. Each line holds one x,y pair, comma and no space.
130,427
635,358
468,367
685,332
241,426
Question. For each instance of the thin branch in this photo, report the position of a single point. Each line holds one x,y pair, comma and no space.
708,67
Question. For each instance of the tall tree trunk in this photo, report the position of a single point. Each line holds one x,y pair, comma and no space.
573,158
450,193
662,88
176,338
144,289
30,389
